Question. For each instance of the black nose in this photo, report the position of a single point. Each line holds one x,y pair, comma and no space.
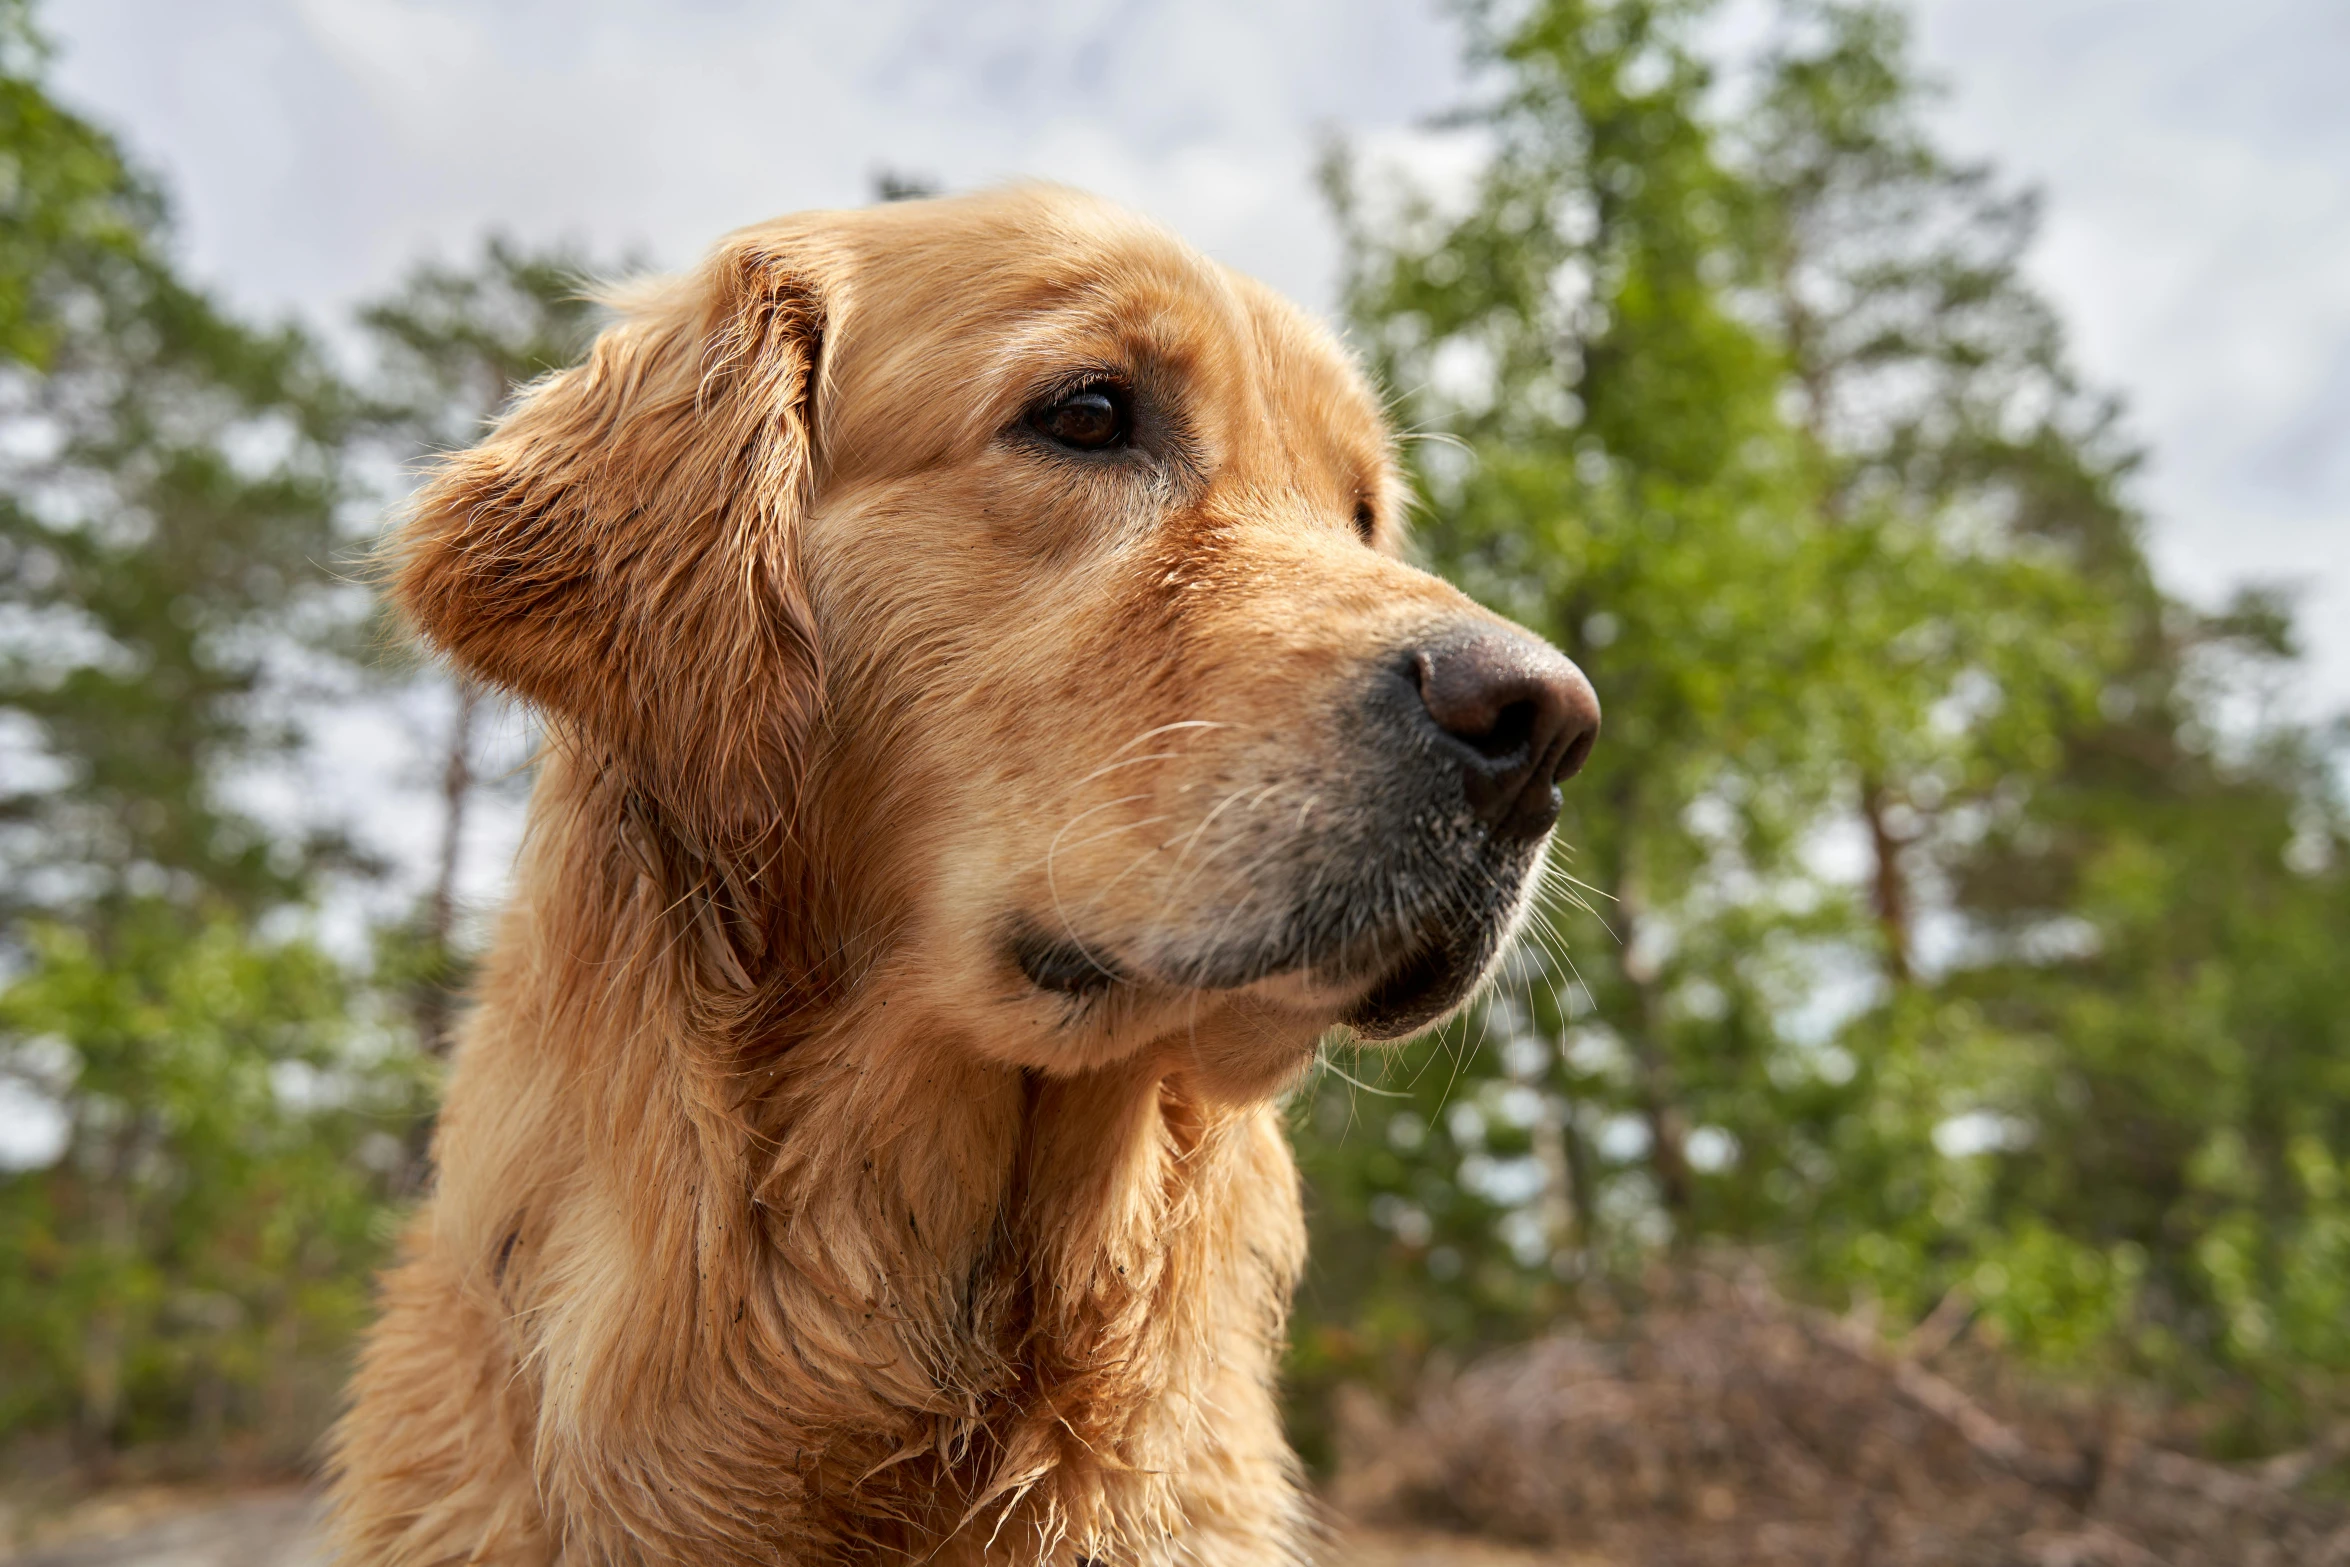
1519,717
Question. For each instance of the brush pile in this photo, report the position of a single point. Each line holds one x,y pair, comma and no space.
1724,1425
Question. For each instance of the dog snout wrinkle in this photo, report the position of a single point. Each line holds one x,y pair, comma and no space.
1516,716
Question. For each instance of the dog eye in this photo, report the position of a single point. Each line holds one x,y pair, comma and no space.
1365,523
1090,419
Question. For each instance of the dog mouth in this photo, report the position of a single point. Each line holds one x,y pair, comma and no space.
1063,965
1432,979
1379,987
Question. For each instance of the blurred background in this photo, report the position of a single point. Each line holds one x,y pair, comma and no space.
1921,1132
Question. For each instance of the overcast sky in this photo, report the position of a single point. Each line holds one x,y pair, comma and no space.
2196,159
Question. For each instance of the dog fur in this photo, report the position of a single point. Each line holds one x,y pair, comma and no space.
863,1145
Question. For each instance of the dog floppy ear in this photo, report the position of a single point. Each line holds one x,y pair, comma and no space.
621,550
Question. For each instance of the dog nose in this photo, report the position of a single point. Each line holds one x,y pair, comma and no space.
1517,715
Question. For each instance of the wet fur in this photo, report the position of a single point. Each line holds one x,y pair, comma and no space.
800,1196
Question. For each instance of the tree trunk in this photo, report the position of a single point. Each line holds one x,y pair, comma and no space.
1889,885
1569,1221
1660,1104
433,997
1657,1091
105,1336
436,1006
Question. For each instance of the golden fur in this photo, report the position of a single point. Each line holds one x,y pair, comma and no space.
778,1217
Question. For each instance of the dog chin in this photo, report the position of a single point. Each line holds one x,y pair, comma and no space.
1437,977
1378,1000
1380,989
1274,1026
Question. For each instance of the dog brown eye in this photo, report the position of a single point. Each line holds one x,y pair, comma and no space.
1365,523
1090,419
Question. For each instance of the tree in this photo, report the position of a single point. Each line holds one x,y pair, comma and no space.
1973,483
1923,922
167,525
451,347
170,493
197,1258
1614,472
2088,1006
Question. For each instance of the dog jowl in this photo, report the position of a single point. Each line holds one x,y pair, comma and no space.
992,737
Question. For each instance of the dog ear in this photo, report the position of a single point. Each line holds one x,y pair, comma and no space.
621,551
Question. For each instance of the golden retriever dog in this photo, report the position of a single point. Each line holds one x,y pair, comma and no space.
991,739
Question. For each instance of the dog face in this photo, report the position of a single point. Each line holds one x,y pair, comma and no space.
1016,592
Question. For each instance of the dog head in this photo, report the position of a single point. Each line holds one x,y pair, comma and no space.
1010,597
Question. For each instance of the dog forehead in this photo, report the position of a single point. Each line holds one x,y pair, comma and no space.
1015,251
953,310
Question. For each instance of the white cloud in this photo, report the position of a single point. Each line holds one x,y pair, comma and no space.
2196,161
321,144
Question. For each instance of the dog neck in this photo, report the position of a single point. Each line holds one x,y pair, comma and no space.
900,1290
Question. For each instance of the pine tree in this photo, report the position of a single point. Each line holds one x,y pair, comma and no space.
451,347
193,1259
168,506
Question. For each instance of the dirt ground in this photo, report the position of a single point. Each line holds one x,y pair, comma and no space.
1394,1548
169,1527
279,1528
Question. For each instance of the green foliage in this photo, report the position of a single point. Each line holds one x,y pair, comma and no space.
244,1117
167,500
199,1253
1920,919
453,344
1615,472
64,196
194,1261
